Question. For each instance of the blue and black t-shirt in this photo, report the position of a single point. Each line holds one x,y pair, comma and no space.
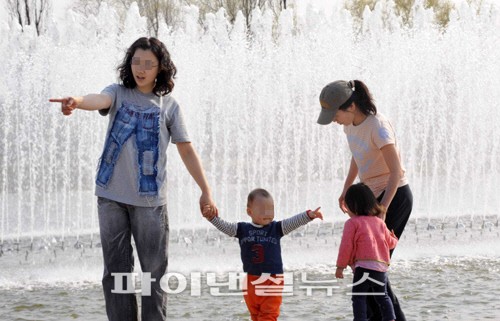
260,244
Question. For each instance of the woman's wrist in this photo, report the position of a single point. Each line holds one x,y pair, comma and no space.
206,191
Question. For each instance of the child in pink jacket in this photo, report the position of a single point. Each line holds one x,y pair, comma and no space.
365,246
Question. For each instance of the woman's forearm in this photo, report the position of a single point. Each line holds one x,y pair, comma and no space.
390,190
93,102
193,165
393,162
351,175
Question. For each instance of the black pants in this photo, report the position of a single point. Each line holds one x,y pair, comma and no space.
375,283
397,216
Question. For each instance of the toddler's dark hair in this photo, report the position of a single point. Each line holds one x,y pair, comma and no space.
360,200
257,192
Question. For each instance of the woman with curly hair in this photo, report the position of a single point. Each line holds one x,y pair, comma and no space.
131,178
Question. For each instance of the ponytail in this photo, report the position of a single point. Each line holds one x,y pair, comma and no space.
362,97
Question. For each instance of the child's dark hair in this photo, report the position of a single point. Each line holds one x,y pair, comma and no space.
362,97
166,68
257,192
360,200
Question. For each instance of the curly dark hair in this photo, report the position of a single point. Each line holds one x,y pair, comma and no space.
166,68
360,200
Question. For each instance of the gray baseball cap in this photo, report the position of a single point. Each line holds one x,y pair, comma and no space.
334,95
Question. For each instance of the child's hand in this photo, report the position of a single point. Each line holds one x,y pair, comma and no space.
315,214
339,273
209,212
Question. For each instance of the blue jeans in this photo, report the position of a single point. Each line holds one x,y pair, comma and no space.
118,222
376,289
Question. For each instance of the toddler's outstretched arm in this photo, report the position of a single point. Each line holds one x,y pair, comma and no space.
227,228
290,224
315,214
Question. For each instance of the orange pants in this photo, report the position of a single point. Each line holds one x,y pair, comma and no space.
263,306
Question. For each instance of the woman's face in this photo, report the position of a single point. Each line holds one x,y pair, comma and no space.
145,69
344,117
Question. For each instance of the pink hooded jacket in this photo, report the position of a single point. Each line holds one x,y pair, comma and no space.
365,238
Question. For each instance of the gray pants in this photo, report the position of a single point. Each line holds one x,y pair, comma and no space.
149,226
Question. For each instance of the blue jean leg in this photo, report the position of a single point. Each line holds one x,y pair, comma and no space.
151,231
123,127
115,232
147,141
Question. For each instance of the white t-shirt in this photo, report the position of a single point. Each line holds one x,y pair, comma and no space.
365,141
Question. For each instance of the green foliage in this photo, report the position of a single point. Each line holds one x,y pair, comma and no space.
405,9
232,7
155,11
170,11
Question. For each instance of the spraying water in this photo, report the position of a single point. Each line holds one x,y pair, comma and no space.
250,97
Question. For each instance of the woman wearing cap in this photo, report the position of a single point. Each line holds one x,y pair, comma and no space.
375,158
